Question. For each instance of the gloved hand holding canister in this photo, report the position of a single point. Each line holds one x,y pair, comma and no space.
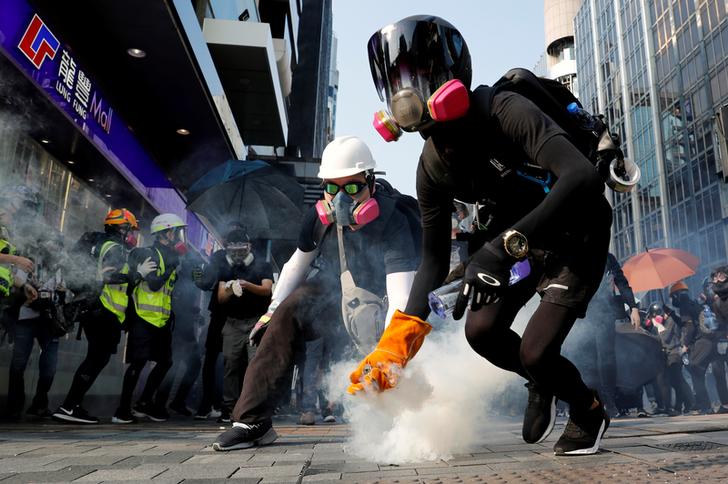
261,326
399,343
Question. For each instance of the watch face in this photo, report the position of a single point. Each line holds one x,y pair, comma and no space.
517,245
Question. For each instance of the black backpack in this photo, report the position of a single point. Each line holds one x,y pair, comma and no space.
410,208
595,141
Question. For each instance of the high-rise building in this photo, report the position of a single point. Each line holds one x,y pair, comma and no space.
559,30
658,70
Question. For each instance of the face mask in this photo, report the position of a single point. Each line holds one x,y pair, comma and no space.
721,289
131,240
410,113
343,211
657,320
240,257
180,248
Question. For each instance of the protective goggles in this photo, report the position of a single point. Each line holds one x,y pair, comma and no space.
238,246
351,188
719,277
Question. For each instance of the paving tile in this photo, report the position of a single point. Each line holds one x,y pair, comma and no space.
270,471
200,471
143,471
62,475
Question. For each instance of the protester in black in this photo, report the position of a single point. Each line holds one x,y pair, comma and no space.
717,295
188,321
608,306
562,226
244,293
307,301
699,343
207,279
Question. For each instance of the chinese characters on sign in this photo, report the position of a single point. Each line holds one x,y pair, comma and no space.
75,87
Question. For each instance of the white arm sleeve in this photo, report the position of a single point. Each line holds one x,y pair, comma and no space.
292,275
398,289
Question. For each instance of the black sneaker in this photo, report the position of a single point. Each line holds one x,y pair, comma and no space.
154,412
242,436
180,408
583,432
540,414
75,415
224,417
123,417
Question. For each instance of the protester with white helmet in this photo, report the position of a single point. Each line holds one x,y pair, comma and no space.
150,334
380,252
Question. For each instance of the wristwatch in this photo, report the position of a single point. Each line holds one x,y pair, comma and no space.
516,244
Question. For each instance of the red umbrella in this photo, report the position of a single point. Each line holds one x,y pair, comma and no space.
658,268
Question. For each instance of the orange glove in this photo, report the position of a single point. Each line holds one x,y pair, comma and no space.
399,343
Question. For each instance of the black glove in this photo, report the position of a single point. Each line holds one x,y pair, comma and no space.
486,277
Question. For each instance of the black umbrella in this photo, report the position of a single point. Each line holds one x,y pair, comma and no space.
639,356
253,193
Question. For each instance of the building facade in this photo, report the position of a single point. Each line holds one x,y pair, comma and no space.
658,71
127,104
560,63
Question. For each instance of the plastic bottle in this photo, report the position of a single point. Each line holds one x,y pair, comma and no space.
585,118
709,320
442,300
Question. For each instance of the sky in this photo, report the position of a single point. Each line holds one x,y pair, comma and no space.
500,34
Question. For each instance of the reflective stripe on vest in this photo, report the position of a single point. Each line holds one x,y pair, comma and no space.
6,275
155,307
113,296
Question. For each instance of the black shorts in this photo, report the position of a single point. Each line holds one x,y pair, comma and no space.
571,278
102,329
147,342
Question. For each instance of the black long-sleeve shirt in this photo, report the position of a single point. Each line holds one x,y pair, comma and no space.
475,160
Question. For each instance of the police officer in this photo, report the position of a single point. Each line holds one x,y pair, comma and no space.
150,334
105,312
476,149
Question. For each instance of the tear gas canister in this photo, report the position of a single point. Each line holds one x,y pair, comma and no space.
442,300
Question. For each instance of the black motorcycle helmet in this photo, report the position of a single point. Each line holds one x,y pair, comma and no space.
421,52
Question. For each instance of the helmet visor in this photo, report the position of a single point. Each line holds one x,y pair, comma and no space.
418,53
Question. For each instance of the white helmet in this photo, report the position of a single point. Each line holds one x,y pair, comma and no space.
345,156
166,221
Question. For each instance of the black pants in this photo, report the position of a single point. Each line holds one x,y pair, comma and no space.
211,395
718,367
683,394
303,316
103,332
236,353
187,358
26,331
537,355
146,343
697,375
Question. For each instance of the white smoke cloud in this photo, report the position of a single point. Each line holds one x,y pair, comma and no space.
441,406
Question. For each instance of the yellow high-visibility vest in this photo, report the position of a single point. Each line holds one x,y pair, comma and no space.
155,307
6,275
113,296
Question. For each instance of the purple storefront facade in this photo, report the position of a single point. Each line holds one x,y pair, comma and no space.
38,51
